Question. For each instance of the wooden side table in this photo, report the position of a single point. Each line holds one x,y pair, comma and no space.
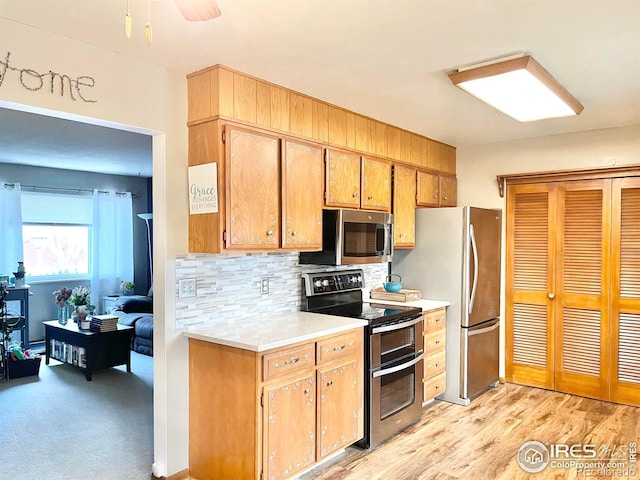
85,349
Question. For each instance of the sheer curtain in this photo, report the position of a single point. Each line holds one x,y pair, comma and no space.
11,224
112,243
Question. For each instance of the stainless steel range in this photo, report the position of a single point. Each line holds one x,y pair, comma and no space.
393,362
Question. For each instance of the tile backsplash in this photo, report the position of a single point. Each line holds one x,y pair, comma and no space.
228,286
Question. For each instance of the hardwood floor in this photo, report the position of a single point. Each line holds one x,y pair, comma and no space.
481,441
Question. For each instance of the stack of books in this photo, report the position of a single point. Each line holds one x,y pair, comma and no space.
104,323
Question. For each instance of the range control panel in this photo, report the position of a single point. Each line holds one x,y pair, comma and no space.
320,283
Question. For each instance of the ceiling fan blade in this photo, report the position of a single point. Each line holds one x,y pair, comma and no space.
198,10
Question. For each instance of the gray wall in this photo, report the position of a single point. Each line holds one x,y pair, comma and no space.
41,304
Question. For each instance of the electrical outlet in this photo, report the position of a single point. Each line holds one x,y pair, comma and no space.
264,285
187,288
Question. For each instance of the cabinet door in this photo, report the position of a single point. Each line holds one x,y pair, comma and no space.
428,186
376,185
530,262
581,301
404,207
289,428
342,179
448,191
625,308
253,189
301,196
339,409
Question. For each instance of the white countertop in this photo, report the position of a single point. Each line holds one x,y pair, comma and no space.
425,304
259,333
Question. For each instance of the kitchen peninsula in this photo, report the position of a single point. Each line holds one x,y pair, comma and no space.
272,395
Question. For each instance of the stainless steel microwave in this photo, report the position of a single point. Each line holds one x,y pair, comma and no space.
353,237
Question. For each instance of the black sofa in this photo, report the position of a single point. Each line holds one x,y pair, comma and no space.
137,311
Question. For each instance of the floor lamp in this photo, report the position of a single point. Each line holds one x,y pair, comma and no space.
146,217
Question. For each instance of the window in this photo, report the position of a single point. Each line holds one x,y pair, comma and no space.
56,235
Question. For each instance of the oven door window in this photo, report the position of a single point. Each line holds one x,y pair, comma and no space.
364,239
397,391
397,345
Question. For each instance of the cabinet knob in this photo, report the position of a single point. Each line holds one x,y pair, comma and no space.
435,196
445,198
551,295
355,194
270,232
369,197
400,235
294,233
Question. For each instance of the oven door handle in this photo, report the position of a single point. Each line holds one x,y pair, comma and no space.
397,368
397,326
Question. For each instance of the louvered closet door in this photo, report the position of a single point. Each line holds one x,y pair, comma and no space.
530,261
582,294
625,306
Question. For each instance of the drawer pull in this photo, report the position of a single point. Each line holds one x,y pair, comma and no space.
307,390
369,197
355,194
292,361
329,383
270,232
437,342
341,347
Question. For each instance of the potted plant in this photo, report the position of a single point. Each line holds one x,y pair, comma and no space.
81,301
127,287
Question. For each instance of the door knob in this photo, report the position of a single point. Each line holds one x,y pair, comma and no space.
551,295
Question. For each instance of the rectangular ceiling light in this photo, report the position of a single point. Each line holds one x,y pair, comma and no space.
519,87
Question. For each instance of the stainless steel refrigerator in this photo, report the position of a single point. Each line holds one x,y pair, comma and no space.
457,259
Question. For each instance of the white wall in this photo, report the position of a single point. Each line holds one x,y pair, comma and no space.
152,100
478,166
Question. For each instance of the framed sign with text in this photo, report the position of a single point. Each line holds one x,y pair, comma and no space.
203,188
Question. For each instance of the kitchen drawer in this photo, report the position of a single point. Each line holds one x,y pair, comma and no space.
434,365
338,347
282,362
435,386
435,341
434,319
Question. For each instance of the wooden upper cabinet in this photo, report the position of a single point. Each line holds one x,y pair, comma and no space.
244,98
252,189
320,121
404,207
338,126
448,191
302,191
428,193
441,157
418,153
342,178
300,115
436,190
376,185
279,108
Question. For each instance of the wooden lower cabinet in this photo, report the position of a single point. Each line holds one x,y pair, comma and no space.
289,427
434,379
271,415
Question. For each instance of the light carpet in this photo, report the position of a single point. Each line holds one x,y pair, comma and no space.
58,426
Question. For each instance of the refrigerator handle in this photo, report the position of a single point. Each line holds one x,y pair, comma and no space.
474,248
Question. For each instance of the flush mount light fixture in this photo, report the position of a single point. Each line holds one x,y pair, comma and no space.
519,87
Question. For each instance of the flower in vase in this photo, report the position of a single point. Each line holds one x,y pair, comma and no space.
81,299
62,296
